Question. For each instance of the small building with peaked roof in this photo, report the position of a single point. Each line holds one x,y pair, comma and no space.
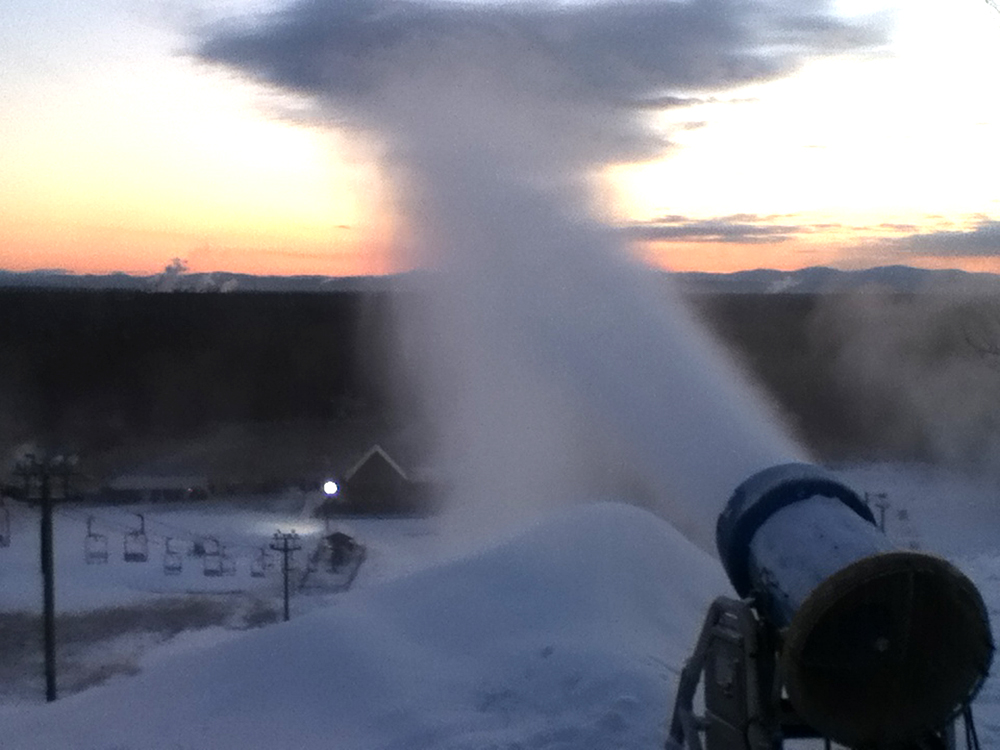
377,484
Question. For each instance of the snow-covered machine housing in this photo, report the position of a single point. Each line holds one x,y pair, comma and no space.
835,635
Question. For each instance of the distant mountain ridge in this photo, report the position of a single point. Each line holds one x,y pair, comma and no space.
813,280
821,280
217,281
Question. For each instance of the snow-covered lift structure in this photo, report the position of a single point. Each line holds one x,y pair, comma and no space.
836,635
173,563
136,544
95,546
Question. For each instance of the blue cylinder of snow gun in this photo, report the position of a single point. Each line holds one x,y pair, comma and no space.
877,645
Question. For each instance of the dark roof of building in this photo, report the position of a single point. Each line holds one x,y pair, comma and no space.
375,450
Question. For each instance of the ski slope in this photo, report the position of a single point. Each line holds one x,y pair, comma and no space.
570,634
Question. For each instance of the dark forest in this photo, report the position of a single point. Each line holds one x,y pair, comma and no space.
99,371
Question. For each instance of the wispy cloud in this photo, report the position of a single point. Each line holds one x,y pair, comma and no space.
883,241
737,228
981,240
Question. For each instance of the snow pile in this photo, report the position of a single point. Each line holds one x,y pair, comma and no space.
571,635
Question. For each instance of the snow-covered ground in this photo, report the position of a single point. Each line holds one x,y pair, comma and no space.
569,634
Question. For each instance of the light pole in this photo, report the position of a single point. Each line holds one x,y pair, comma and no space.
882,503
330,489
286,544
37,473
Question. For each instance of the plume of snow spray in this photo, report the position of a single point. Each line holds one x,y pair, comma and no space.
558,335
547,350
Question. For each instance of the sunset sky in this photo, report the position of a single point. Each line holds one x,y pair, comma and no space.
136,131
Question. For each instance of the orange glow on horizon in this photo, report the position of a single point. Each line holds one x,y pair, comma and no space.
84,249
728,257
345,251
792,255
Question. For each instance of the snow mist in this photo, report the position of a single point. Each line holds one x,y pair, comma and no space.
557,367
565,369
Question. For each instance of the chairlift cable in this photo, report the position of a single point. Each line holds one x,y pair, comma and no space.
192,536
99,521
179,532
122,527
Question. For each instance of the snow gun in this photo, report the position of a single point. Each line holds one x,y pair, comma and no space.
837,635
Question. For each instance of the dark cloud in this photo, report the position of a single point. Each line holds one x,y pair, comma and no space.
622,55
741,228
983,240
464,100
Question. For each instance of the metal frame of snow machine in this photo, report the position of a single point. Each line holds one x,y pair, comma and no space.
745,704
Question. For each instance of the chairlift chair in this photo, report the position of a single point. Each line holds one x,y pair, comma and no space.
95,546
312,564
228,563
4,525
211,546
136,543
173,563
258,566
212,559
212,566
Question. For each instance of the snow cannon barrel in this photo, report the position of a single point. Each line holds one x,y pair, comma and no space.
877,646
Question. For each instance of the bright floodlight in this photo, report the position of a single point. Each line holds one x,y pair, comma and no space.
330,487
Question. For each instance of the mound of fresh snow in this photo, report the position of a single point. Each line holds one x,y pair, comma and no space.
569,636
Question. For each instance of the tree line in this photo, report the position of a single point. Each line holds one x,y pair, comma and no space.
103,367
861,376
